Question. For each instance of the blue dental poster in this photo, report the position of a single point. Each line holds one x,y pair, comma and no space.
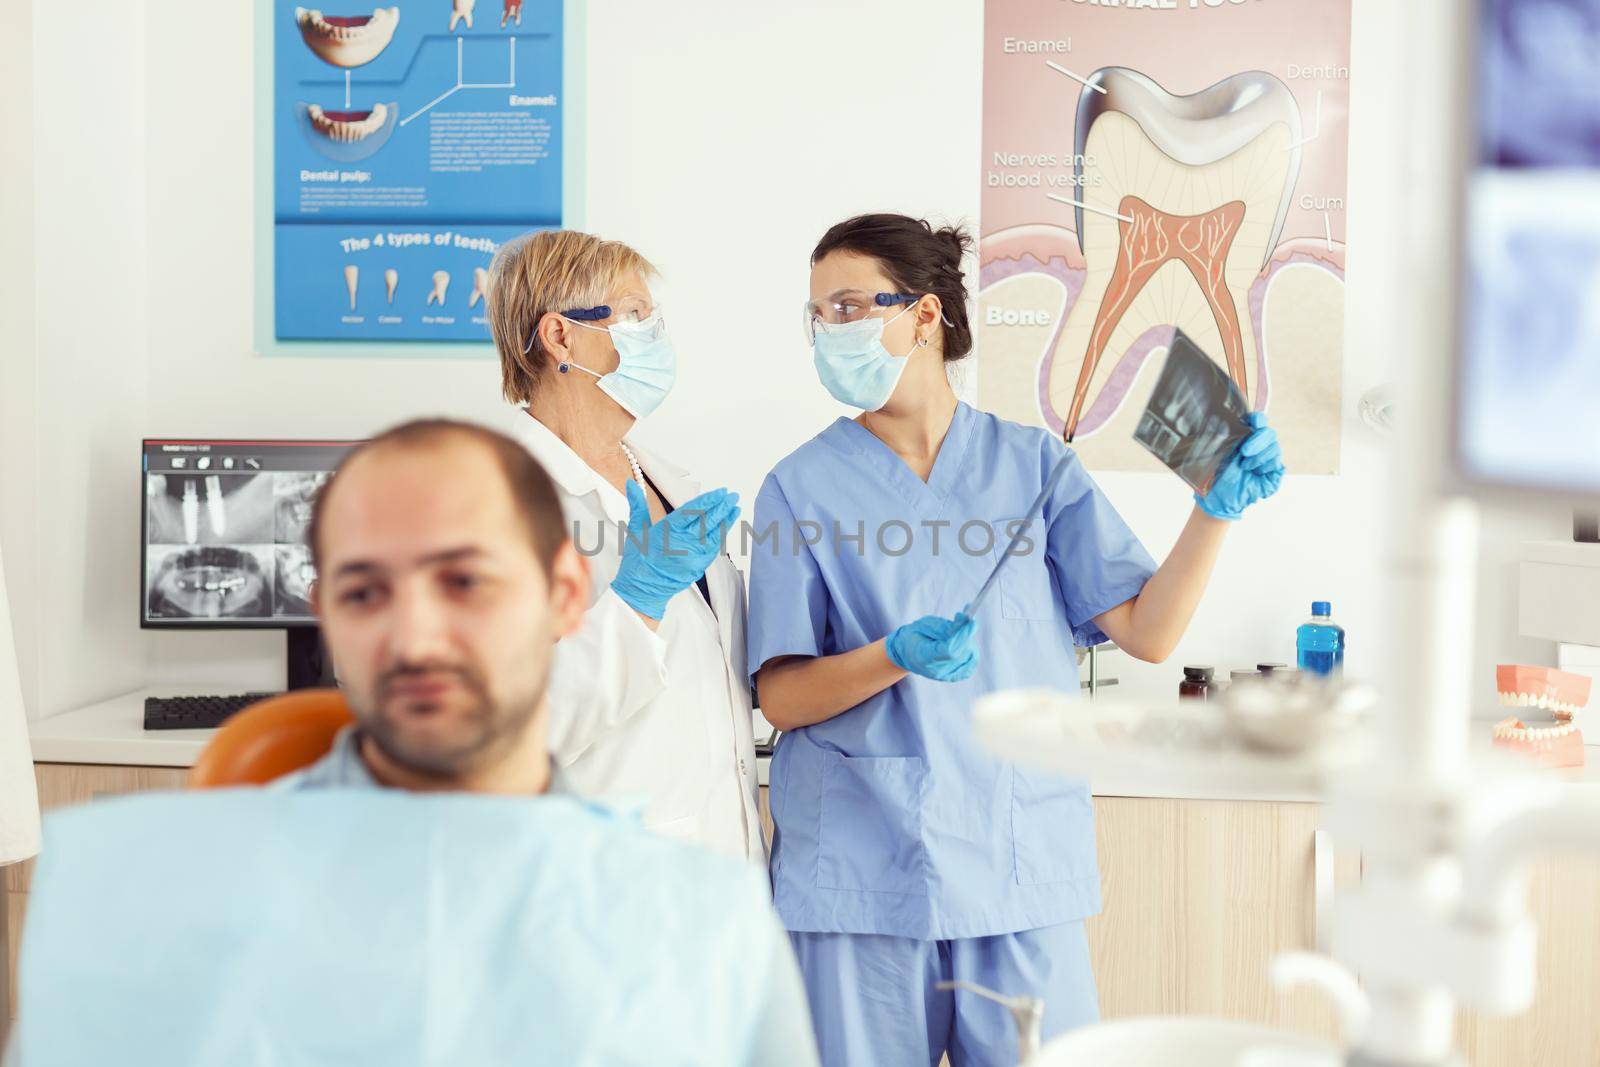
409,142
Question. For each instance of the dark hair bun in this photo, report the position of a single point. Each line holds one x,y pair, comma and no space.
957,237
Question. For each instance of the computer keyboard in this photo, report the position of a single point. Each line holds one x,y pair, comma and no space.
195,713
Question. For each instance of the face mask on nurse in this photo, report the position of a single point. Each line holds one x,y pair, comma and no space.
846,335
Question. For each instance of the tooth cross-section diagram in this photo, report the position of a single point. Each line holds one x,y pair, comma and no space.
1183,202
1185,166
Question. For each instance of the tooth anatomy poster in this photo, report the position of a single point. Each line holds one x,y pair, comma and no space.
1150,164
409,141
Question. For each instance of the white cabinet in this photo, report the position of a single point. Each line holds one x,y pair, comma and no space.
1559,592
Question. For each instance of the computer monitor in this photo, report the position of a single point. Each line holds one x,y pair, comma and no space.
1528,379
223,538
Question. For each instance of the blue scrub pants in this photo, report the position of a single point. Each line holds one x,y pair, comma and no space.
874,1004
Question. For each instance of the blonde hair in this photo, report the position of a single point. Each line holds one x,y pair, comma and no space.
537,273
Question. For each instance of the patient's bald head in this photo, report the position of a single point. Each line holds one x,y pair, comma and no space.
445,577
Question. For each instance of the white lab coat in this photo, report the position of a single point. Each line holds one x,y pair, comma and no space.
661,716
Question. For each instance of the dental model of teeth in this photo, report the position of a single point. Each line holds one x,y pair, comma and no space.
1558,744
1540,700
513,11
391,278
347,40
480,287
441,282
1561,692
1555,744
1512,728
351,274
461,11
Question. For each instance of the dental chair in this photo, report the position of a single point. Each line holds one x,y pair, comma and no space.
271,738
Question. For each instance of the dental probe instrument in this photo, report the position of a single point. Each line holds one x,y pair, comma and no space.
1022,532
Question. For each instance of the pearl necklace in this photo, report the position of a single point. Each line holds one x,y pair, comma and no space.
633,463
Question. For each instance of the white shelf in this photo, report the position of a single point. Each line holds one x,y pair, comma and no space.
112,731
1562,553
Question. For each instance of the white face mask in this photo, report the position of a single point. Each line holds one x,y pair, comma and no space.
647,364
853,364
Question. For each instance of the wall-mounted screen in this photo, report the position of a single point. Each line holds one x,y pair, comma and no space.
1528,386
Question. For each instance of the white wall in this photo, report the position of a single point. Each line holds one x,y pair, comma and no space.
18,409
77,357
721,145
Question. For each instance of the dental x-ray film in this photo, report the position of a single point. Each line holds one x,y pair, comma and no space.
1196,416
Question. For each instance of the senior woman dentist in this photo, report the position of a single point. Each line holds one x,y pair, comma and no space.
648,698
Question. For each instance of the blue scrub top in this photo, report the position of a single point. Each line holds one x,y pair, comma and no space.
890,818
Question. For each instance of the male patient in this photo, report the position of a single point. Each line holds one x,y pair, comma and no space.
378,925
445,579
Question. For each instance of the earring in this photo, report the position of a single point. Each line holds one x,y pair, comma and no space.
562,366
922,342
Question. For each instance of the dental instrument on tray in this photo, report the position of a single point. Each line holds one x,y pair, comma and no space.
1287,735
1296,712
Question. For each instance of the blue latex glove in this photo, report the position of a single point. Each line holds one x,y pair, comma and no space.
1252,473
662,559
936,648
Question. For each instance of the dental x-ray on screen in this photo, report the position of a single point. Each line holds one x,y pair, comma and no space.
225,530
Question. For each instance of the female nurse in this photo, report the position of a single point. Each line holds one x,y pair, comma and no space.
905,855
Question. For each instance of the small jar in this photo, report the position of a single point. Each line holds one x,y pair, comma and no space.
1271,668
1197,684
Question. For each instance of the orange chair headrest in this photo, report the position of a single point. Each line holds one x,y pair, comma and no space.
272,738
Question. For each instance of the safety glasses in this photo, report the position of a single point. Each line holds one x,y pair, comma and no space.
633,314
847,306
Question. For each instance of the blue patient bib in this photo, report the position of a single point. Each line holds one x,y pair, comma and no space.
256,927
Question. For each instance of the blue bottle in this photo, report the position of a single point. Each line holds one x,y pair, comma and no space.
1319,643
